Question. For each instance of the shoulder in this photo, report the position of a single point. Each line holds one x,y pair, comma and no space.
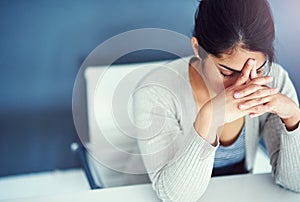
165,87
168,80
278,71
282,81
168,71
281,76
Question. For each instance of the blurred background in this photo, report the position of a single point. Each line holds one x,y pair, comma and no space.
42,45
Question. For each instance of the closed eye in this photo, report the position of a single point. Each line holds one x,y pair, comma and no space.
259,71
227,75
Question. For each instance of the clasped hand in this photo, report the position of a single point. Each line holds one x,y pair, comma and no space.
250,95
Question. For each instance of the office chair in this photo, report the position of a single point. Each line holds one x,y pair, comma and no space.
106,158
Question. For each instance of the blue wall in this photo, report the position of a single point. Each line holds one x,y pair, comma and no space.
287,44
42,45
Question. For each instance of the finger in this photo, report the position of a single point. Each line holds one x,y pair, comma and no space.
254,102
253,73
254,91
247,91
262,80
245,74
260,110
262,93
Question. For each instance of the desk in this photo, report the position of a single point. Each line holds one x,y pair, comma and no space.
246,188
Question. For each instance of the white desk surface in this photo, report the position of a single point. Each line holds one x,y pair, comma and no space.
246,188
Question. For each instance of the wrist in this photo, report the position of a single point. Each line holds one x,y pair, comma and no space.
292,122
205,125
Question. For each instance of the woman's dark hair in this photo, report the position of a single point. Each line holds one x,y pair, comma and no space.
223,25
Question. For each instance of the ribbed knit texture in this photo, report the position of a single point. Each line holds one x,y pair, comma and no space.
180,161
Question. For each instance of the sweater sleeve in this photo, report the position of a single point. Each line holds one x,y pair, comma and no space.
179,163
283,146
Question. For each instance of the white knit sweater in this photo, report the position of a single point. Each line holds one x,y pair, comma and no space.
179,162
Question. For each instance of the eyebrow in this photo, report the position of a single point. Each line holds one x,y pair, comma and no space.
239,71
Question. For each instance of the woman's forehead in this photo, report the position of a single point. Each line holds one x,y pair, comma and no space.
237,59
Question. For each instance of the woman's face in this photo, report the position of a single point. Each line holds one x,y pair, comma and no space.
223,72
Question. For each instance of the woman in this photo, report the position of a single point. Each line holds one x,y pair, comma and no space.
212,125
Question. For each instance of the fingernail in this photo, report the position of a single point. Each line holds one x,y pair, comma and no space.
236,95
250,62
275,90
242,106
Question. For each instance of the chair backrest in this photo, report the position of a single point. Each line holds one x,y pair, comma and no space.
112,149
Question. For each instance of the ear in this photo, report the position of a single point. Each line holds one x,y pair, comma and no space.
195,46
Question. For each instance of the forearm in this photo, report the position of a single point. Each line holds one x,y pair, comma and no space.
207,124
284,152
288,164
187,178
